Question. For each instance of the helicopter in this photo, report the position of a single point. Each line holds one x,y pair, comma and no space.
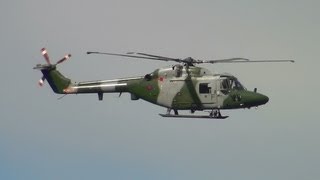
182,86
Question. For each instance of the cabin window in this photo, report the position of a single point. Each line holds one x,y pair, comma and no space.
204,88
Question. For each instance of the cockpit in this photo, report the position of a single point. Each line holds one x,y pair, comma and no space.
230,83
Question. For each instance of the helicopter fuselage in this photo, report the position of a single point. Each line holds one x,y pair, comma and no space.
179,88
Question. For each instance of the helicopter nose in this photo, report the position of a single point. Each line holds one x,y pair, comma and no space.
252,99
245,99
261,99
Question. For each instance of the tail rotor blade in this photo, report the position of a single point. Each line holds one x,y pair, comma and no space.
66,57
41,81
44,53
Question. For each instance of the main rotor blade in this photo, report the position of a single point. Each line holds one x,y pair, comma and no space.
228,60
161,57
44,53
132,56
258,61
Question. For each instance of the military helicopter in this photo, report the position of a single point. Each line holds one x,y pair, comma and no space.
183,86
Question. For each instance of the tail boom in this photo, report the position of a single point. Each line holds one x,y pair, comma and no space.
111,87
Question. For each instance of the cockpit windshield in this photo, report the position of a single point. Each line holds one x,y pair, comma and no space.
230,83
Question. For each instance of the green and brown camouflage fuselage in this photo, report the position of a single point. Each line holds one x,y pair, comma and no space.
177,87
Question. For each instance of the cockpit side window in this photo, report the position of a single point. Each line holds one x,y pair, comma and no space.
204,88
230,83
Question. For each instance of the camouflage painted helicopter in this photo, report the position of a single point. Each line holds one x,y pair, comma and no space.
183,86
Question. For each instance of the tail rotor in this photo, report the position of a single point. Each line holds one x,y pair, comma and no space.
44,53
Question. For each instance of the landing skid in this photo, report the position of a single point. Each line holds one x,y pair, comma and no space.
214,114
193,116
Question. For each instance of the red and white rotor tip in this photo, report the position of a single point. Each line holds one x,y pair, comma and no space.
44,53
41,81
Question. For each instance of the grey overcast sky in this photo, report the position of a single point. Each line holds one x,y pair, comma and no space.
78,137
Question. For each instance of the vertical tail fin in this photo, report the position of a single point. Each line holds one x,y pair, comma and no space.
56,80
